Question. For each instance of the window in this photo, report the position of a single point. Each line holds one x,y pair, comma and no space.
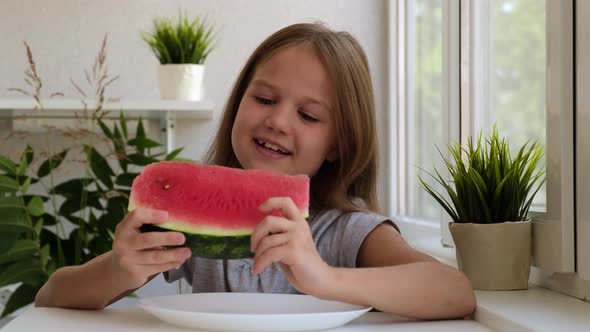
462,66
425,114
509,68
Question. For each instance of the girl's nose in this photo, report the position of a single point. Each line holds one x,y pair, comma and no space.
279,119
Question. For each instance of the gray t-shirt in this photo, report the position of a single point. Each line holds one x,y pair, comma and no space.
338,237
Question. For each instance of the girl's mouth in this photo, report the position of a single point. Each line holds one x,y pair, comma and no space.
269,149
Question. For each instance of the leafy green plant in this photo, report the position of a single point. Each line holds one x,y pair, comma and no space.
488,184
182,42
73,221
33,242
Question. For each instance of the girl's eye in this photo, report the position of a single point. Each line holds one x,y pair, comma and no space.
264,101
307,117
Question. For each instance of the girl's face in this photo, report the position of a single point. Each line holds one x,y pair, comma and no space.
284,121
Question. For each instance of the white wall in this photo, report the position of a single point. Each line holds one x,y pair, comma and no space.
65,36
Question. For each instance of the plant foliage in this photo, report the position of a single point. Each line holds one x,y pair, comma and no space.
32,240
73,221
185,41
488,185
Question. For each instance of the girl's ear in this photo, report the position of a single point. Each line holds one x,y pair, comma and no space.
332,155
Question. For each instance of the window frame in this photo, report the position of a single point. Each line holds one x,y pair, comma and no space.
582,9
560,257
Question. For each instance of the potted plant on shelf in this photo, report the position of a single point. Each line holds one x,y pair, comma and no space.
490,194
182,48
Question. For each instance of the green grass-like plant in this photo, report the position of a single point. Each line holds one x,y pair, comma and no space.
488,184
185,41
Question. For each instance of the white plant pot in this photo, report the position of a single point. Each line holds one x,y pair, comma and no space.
181,81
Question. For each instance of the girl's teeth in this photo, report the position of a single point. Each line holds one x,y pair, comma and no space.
271,146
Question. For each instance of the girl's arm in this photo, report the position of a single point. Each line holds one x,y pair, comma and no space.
89,286
135,259
396,278
392,276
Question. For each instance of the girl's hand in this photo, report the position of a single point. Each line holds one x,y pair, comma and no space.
287,241
138,256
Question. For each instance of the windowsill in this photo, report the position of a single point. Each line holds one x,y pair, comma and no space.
535,309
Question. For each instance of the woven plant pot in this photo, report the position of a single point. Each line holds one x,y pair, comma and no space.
494,256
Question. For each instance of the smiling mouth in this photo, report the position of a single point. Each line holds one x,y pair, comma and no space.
271,147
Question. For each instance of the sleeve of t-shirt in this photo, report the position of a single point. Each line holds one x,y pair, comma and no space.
348,233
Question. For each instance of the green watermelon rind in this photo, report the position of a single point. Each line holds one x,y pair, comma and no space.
211,246
219,247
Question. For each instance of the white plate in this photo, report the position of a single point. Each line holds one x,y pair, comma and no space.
251,311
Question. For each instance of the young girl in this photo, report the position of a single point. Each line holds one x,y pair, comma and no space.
303,104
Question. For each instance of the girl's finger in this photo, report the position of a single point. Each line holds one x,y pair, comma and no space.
140,216
159,268
270,224
274,255
162,256
284,205
270,242
151,240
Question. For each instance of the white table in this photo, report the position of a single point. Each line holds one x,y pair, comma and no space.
135,319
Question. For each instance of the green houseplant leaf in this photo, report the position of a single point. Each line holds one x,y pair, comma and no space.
25,186
28,271
172,155
488,184
51,164
14,215
21,249
100,166
140,159
23,165
7,165
35,207
126,179
28,155
184,41
22,296
105,129
73,187
123,124
143,142
8,185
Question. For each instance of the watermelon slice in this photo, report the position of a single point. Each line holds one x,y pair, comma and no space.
215,207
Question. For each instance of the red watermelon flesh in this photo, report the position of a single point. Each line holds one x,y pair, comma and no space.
213,200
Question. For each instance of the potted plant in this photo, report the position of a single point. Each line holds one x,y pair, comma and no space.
490,194
47,223
182,48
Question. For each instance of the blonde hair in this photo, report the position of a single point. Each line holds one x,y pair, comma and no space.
350,182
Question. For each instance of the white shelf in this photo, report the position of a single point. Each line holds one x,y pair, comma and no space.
68,108
166,111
